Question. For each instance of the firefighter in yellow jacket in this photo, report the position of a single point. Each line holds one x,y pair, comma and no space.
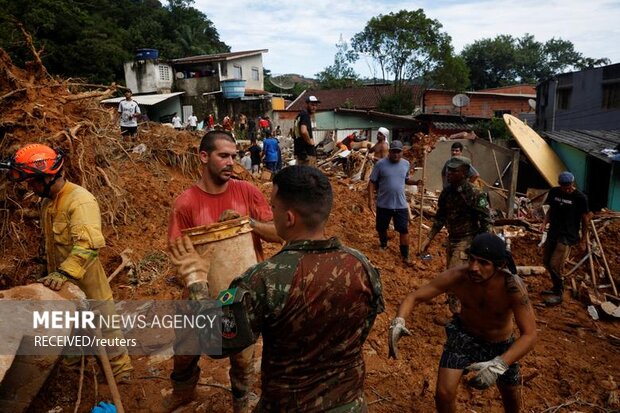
71,224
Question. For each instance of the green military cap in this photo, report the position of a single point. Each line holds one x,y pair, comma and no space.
458,161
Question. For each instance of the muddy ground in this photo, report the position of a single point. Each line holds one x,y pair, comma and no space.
574,365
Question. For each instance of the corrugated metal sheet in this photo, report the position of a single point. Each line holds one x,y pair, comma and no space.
590,141
146,100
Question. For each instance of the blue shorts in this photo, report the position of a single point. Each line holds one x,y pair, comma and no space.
401,219
462,349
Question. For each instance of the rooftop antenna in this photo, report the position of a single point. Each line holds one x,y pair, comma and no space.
282,82
460,101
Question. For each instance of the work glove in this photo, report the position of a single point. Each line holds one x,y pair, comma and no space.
54,280
104,407
488,372
190,265
397,330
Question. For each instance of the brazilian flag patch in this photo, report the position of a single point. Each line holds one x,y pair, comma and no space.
227,297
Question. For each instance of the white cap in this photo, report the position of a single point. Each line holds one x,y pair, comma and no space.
384,131
312,99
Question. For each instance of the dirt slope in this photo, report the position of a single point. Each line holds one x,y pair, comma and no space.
570,365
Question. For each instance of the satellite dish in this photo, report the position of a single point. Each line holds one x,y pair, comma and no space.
460,100
284,82
532,103
180,75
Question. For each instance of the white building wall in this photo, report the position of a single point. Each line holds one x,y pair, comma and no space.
148,76
246,64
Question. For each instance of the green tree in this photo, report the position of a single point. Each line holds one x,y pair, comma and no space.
340,75
491,62
407,46
506,60
92,40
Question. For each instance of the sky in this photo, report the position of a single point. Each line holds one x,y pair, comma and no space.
302,36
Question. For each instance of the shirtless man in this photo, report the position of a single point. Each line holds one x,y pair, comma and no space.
481,338
380,150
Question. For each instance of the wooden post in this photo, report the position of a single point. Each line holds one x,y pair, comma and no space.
598,241
499,173
107,370
422,202
592,272
513,184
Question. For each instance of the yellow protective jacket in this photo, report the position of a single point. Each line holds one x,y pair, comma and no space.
71,224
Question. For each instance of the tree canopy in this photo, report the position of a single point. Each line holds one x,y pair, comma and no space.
340,75
92,40
506,60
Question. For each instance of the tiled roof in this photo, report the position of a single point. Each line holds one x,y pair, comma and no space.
590,141
366,97
217,57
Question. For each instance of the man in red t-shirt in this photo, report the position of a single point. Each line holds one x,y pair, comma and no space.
202,204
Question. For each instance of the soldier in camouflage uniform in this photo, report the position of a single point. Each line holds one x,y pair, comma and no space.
314,303
464,210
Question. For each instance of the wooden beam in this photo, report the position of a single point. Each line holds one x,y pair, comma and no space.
513,184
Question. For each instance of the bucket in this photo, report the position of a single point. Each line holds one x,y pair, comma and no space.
145,54
228,249
233,89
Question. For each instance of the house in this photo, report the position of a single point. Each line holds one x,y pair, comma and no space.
222,84
579,112
449,112
349,110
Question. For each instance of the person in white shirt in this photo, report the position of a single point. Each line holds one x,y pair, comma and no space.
129,113
246,161
192,121
176,122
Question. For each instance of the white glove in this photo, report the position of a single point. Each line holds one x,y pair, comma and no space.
488,372
190,265
397,330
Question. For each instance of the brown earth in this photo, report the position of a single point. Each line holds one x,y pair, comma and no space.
575,362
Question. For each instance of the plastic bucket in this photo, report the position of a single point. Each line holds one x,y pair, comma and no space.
227,247
233,89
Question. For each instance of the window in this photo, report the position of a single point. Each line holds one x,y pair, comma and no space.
611,95
164,72
224,69
500,113
563,98
255,73
237,72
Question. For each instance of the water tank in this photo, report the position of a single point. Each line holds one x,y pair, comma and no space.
232,89
146,54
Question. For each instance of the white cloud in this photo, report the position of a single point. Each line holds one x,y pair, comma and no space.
301,38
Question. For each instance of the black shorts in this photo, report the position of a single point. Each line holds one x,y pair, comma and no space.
401,219
462,349
129,130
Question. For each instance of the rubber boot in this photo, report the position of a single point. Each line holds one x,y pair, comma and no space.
244,404
182,394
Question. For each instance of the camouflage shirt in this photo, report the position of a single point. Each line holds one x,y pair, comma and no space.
464,210
314,303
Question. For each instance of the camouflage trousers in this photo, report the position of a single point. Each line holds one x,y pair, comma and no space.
186,372
457,255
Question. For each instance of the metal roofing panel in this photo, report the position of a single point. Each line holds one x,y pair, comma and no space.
146,100
590,141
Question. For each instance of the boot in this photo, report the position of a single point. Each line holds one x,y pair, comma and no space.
183,392
554,300
245,404
176,398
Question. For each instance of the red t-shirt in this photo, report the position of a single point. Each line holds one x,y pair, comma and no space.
195,207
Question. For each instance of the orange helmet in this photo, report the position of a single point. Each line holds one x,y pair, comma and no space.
35,160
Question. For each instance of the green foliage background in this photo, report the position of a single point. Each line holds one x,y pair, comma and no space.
92,39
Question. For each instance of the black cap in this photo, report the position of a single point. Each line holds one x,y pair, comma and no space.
491,247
